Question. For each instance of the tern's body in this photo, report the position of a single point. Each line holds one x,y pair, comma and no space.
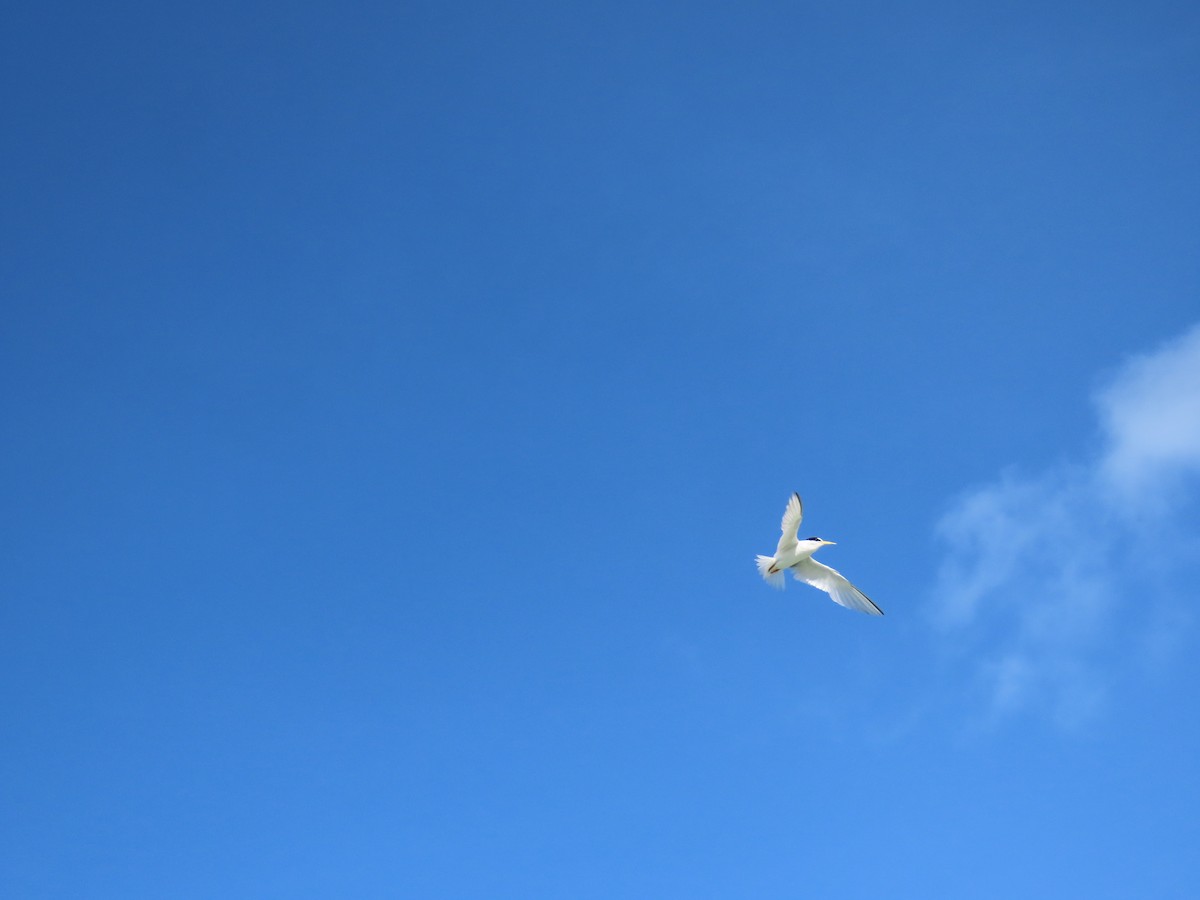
795,554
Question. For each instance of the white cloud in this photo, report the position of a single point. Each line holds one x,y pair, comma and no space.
1151,418
1038,569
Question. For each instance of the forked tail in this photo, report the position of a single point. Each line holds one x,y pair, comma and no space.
774,579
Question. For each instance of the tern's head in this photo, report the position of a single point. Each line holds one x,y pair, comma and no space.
819,542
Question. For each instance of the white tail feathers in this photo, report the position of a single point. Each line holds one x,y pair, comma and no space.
774,579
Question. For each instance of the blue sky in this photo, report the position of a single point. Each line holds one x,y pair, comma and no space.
396,395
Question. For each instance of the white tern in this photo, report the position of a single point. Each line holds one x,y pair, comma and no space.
796,555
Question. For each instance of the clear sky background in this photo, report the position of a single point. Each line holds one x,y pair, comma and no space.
395,396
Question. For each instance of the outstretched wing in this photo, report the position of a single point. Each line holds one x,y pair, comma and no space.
834,583
791,523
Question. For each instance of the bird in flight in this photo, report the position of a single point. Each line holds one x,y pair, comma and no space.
797,554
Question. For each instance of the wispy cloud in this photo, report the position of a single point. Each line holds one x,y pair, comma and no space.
1151,418
1039,569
